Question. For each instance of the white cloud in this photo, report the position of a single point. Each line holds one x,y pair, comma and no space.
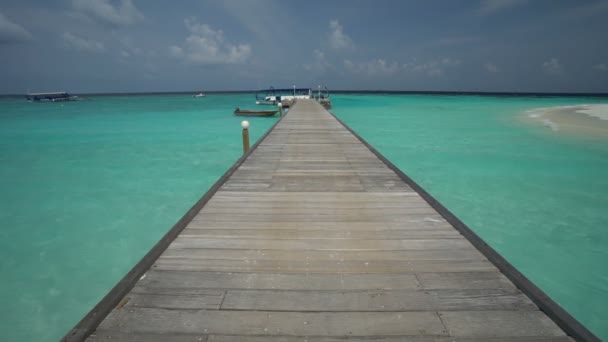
451,41
337,38
487,7
491,67
433,67
372,68
318,55
269,28
449,62
83,44
128,46
11,32
205,45
601,67
176,51
125,13
430,68
319,63
552,66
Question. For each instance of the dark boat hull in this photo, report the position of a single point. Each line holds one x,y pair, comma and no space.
255,112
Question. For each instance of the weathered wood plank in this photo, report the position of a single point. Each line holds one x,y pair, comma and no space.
322,244
278,234
244,210
227,338
118,336
337,225
174,301
354,217
303,266
418,300
305,195
401,204
303,255
463,280
280,281
499,324
161,321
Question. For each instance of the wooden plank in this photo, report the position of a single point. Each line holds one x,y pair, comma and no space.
161,321
232,338
464,280
303,266
499,324
278,234
403,204
244,210
412,300
280,281
302,255
304,195
118,336
354,217
323,225
174,299
322,244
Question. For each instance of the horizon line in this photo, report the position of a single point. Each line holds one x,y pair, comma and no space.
341,91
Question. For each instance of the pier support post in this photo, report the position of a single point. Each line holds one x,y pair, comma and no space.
245,125
280,105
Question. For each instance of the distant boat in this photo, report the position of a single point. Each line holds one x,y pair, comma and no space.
51,97
199,95
245,112
272,96
267,97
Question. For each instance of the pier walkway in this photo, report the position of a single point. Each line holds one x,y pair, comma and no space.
314,238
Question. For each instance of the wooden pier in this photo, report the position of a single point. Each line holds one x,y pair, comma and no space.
313,236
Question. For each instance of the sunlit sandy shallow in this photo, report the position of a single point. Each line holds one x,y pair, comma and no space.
588,120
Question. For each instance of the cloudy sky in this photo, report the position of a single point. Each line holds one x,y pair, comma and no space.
154,45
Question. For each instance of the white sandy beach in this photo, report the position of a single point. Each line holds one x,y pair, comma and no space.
586,119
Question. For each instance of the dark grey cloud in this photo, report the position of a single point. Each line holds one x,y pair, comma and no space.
11,32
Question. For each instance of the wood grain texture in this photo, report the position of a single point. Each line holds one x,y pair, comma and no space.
314,238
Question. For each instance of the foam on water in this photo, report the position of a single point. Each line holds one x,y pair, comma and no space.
539,199
551,124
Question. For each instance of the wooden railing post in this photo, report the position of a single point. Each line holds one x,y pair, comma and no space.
245,125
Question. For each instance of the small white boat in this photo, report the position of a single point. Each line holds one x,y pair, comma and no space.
199,95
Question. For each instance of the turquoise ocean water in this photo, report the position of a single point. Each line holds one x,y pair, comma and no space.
88,187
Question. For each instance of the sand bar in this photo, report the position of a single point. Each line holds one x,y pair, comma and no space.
586,120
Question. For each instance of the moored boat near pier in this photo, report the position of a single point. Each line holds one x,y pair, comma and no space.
246,112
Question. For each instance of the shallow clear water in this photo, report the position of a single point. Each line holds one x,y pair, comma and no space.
88,187
537,196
